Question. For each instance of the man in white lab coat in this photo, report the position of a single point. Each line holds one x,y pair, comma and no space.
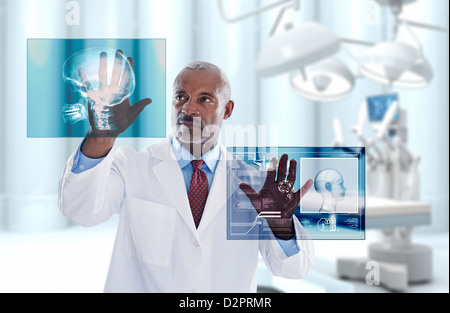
159,247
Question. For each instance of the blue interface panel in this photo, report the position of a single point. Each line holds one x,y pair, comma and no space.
63,77
333,208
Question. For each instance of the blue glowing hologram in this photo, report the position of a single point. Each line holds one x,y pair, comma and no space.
333,209
103,77
74,113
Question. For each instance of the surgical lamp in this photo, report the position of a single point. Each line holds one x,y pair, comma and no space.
294,48
297,48
308,49
328,80
306,52
398,64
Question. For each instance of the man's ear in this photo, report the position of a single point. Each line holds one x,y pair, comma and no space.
328,186
228,109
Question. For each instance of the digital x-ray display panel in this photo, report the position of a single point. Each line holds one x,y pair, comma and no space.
333,208
66,77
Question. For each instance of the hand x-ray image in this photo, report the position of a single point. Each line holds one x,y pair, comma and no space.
335,185
104,78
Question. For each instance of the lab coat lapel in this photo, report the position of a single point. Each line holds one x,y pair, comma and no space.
169,175
218,193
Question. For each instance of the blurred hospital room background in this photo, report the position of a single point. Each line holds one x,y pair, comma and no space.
372,49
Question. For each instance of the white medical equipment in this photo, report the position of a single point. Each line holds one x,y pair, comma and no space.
399,260
392,168
392,202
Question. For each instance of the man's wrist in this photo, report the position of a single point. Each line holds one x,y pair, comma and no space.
95,147
282,228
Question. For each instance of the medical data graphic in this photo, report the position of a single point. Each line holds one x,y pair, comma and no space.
68,78
333,208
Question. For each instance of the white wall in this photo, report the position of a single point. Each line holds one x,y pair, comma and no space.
31,167
2,112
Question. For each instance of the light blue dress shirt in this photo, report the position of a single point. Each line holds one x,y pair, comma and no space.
82,163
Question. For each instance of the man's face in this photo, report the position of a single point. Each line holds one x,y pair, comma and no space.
199,106
338,189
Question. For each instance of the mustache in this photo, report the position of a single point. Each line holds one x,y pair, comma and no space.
189,118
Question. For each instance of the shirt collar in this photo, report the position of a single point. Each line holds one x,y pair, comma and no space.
184,157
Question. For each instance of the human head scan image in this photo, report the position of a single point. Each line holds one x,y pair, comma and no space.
329,183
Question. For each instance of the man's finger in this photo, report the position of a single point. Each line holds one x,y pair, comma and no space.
254,197
137,108
126,76
84,80
249,191
302,191
103,71
91,116
282,168
117,69
271,172
292,172
296,199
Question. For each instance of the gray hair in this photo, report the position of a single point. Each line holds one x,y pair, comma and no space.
225,83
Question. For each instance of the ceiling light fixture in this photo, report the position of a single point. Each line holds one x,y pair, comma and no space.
293,47
306,52
297,48
398,64
328,80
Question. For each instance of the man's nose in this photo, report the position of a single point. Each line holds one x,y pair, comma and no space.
190,108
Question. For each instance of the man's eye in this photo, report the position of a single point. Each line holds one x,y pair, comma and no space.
207,100
180,98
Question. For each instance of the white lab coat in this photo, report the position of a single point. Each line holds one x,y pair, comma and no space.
157,247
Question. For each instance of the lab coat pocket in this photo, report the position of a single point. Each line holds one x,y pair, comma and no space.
152,227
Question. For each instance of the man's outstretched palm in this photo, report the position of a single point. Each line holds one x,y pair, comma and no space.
276,197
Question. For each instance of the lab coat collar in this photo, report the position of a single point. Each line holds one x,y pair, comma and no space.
183,156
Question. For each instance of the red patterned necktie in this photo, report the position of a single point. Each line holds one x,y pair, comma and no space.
198,191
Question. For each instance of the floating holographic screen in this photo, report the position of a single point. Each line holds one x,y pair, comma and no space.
57,106
341,184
